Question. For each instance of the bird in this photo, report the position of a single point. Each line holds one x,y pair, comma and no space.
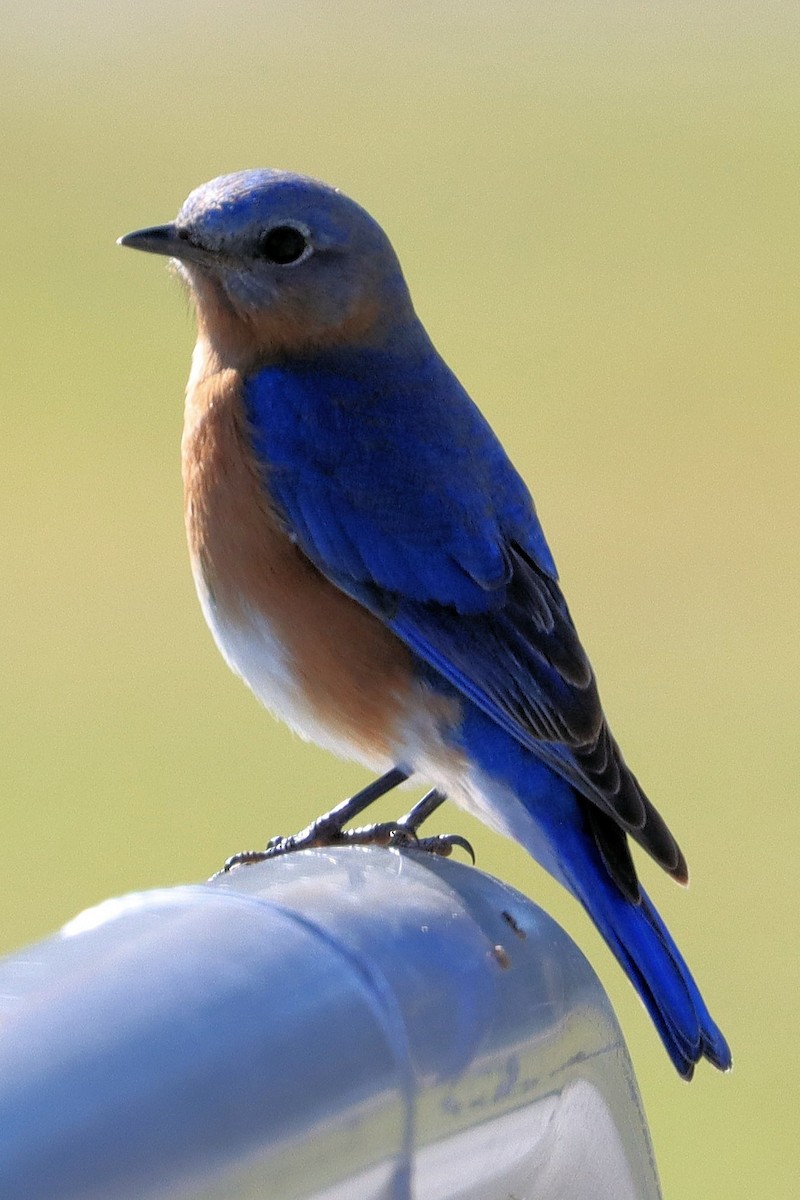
372,565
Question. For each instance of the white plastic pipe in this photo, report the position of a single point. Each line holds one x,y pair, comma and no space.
350,1024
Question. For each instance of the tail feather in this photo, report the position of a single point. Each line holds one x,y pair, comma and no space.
644,948
587,850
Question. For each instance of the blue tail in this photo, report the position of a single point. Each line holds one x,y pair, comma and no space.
533,804
644,948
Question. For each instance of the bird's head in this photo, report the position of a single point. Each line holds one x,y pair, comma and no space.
280,264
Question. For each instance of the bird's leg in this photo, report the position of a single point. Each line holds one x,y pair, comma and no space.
404,833
327,830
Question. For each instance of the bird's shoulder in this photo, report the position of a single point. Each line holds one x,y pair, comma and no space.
390,475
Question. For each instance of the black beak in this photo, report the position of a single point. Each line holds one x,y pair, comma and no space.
165,239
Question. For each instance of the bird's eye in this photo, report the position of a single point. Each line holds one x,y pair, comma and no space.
282,245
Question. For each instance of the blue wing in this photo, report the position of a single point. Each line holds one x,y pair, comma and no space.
410,504
422,518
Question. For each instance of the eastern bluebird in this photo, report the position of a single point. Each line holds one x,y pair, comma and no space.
372,565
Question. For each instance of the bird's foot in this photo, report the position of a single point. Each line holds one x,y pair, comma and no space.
328,830
404,833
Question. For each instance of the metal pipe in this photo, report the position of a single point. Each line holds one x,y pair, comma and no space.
352,1023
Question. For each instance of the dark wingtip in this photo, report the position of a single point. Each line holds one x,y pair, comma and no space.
659,842
615,852
680,872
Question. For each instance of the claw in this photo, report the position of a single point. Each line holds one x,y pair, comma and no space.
243,858
444,844
403,834
328,830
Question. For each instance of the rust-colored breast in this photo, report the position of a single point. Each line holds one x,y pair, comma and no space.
352,672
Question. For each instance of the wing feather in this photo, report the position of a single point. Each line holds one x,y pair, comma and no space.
427,524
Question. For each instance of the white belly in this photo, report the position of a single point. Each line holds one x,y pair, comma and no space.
253,651
420,747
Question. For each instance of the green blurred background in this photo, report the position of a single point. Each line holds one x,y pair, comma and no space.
597,208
